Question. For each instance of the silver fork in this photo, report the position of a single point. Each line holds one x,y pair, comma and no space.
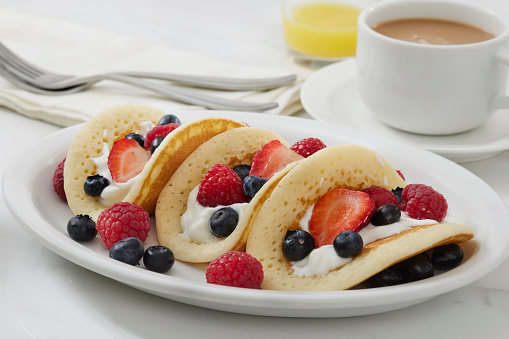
38,80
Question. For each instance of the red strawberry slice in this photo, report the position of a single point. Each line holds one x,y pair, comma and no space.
127,159
220,186
338,211
272,158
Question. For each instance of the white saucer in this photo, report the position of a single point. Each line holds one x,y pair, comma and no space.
331,95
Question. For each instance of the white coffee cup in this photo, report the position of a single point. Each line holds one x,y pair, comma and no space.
432,89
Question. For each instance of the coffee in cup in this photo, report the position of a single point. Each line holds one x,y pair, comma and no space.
435,84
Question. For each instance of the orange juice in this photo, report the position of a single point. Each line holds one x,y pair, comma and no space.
322,29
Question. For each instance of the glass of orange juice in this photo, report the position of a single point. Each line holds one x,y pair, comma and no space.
319,32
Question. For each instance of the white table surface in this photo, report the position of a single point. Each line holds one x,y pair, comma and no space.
45,296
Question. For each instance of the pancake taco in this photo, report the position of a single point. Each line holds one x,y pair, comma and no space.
312,195
107,162
211,185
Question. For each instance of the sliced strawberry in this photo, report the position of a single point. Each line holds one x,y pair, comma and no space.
127,159
272,158
337,211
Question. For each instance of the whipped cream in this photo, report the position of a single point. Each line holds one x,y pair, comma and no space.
195,221
116,191
325,259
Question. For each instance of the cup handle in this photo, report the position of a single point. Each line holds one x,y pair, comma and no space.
501,101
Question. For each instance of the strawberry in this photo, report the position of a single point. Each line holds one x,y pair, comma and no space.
337,211
220,186
127,159
272,158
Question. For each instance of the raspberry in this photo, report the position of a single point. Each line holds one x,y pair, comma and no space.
122,220
381,196
220,186
307,147
237,269
58,181
401,174
423,202
158,131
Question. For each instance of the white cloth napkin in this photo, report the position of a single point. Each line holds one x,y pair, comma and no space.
68,48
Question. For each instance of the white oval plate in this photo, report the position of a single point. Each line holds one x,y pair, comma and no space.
330,94
28,192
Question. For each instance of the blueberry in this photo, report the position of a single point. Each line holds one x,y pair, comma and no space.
95,184
447,257
415,268
297,245
388,277
348,244
385,215
169,119
155,144
397,192
158,258
138,137
81,228
252,184
242,170
223,222
128,250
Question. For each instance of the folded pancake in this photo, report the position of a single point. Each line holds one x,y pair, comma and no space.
343,166
234,147
115,123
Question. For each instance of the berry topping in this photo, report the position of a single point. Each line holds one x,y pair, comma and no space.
423,202
155,144
447,257
348,244
81,228
158,258
397,192
169,119
401,174
58,181
252,184
308,146
220,186
95,184
297,245
159,131
123,220
388,277
223,222
381,195
138,137
272,158
129,251
126,159
237,269
385,215
415,268
242,170
337,211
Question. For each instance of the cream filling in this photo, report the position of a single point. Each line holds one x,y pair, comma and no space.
324,259
195,220
116,191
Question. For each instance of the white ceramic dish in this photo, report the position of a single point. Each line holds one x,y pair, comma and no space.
29,196
330,94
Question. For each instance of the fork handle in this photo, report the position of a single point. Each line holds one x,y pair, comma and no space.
192,97
229,84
